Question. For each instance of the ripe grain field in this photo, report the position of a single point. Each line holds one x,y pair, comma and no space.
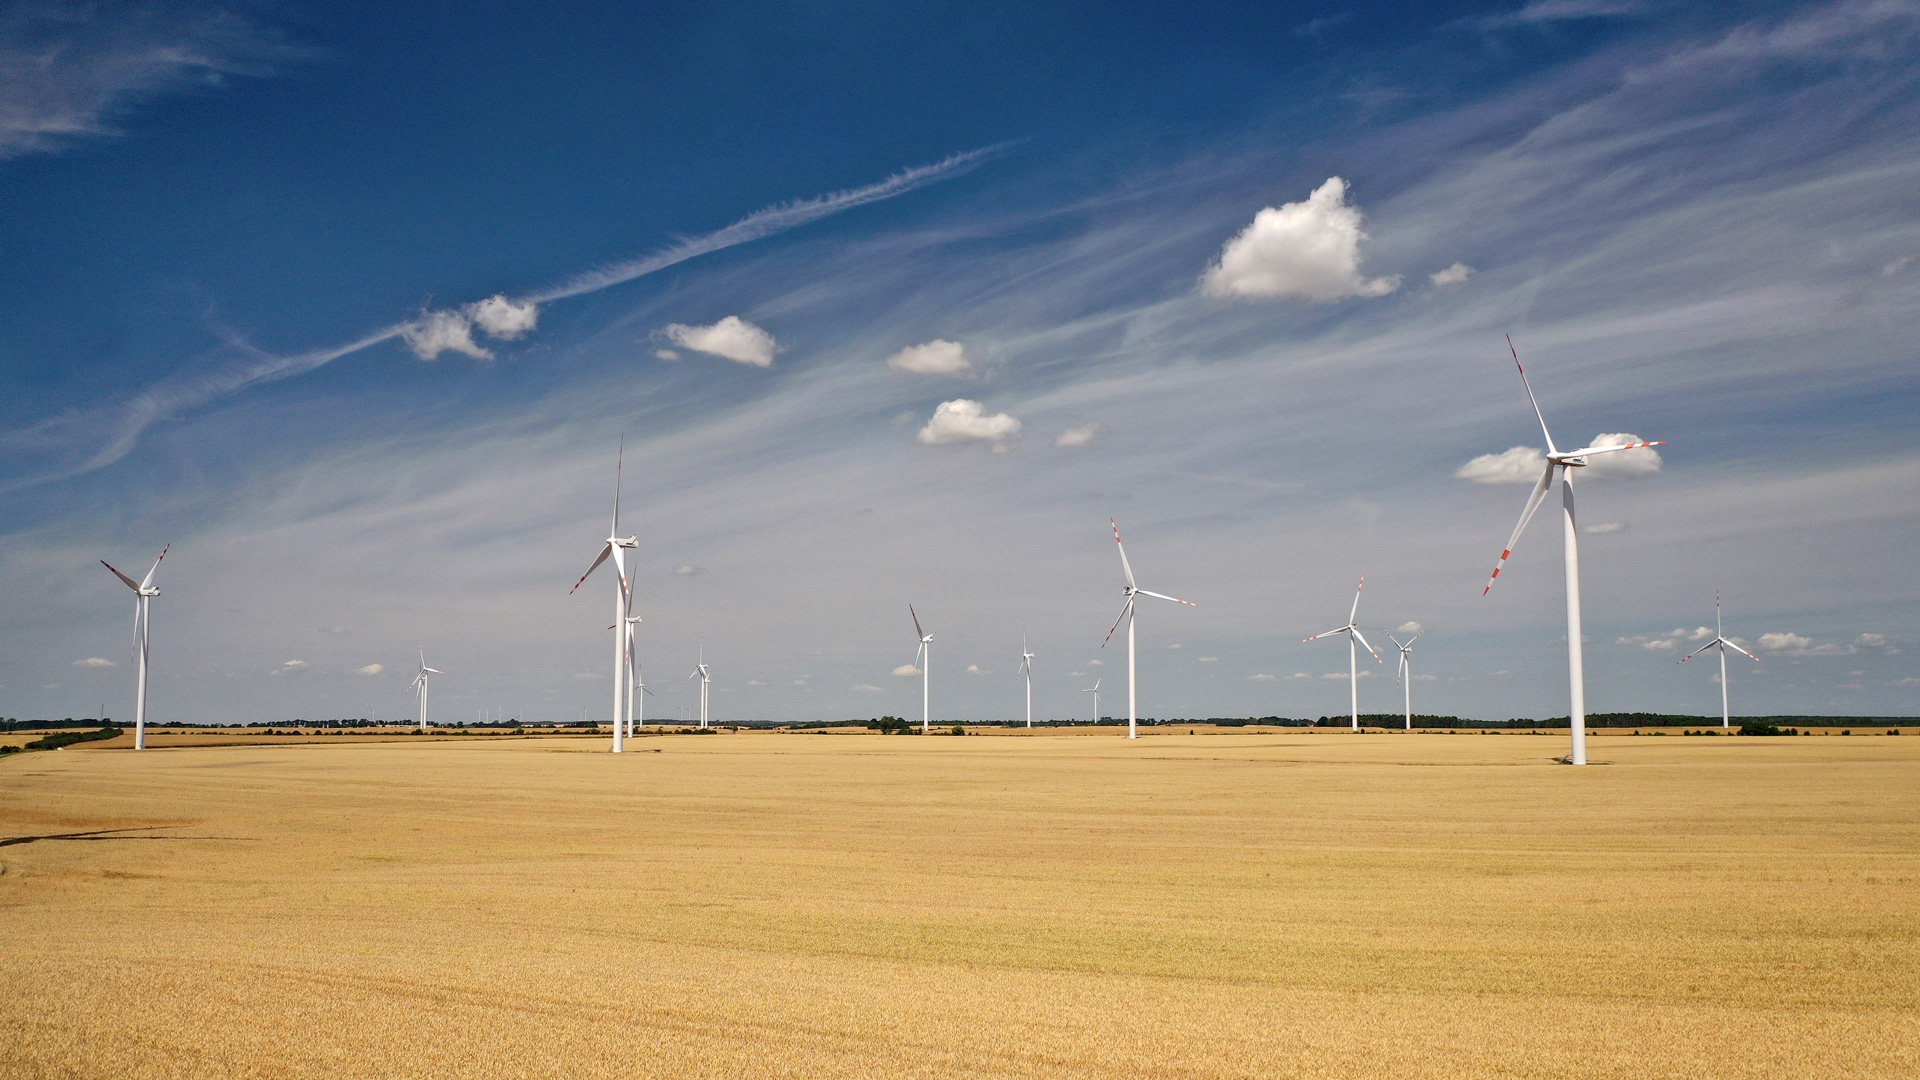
789,905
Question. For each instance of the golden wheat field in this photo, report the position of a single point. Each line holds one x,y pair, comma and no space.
793,905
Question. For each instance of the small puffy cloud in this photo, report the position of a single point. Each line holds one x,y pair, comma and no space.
1409,627
1077,438
1789,644
934,358
1096,663
1605,527
1627,464
1909,681
1895,266
866,688
1700,633
338,630
370,669
1452,275
961,421
95,661
666,354
733,338
502,318
435,332
1658,644
975,669
1209,659
1515,465
294,664
1784,641
1300,251
1261,678
1871,641
689,570
1176,646
906,671
755,682
1300,675
799,682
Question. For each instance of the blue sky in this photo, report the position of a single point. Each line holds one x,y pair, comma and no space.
352,305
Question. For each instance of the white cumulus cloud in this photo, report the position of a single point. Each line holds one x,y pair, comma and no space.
295,664
95,661
934,358
732,337
1261,678
1409,627
1782,641
1515,465
961,420
866,688
1605,527
502,318
974,669
1872,641
435,332
906,671
1209,659
1452,275
1077,438
370,669
1300,251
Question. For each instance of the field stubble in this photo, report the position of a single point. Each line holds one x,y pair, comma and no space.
776,905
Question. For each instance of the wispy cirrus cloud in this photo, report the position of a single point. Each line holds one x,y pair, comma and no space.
73,72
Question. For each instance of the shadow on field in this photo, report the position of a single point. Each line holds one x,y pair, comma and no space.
111,834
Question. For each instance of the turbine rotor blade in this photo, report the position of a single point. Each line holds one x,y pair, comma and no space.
1589,451
1530,397
1124,609
1351,615
131,584
1330,633
1163,596
604,552
1355,631
1741,651
921,634
1533,505
1698,651
147,582
1125,566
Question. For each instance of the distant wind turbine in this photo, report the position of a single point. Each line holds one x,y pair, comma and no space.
706,679
1568,460
1026,668
1126,614
924,657
1095,691
1353,662
1406,671
634,704
143,594
617,547
419,686
1720,641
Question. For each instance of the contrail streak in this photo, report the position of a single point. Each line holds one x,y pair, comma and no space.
125,421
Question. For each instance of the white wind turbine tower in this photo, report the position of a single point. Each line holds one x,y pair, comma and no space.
1568,460
419,685
1406,671
1095,691
1720,641
1353,658
706,680
1026,668
617,547
924,657
1126,614
143,594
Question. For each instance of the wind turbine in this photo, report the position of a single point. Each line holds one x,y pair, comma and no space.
419,684
924,653
633,665
617,547
1720,640
1353,658
706,679
1406,670
1126,613
1095,691
1568,460
143,593
1026,668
